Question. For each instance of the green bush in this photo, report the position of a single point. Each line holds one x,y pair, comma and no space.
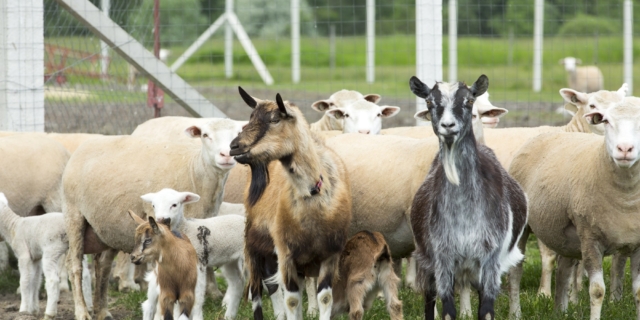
583,24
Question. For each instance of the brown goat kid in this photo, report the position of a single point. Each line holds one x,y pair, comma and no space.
366,268
299,208
175,260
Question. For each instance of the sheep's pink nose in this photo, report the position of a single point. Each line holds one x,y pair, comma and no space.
625,148
225,153
364,131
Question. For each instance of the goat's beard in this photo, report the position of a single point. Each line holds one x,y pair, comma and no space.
259,181
449,162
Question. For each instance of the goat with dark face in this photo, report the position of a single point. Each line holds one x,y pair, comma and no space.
469,214
299,208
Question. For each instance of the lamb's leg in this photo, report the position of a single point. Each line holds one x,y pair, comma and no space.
51,267
103,262
200,290
592,259
86,282
64,277
212,285
328,270
4,255
548,257
35,287
635,280
149,305
389,282
26,266
515,276
618,262
564,275
231,300
410,278
311,283
76,226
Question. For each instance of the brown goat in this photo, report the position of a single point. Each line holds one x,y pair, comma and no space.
302,211
175,260
365,268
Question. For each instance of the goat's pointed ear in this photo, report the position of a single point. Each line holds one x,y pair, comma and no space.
419,88
189,197
389,111
136,218
573,96
193,132
148,197
154,225
249,100
281,106
424,115
480,86
373,98
624,89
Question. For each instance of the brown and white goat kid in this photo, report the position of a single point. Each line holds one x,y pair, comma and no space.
365,269
175,260
469,214
298,211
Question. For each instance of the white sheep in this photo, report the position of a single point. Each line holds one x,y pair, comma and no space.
219,242
586,79
40,244
130,166
565,212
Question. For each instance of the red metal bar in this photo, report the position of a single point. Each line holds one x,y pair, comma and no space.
155,96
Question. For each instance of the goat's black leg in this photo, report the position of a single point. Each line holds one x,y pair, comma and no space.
448,306
270,269
430,294
489,289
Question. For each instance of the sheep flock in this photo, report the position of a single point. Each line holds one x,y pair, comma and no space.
285,208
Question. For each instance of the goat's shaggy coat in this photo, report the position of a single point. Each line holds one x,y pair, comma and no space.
299,208
469,213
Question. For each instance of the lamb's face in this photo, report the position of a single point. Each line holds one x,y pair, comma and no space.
168,205
621,130
588,102
216,136
570,63
362,116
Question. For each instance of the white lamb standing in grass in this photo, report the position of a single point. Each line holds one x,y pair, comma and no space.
586,79
219,242
40,243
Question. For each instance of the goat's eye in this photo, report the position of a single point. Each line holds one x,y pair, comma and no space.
429,102
174,205
592,106
275,120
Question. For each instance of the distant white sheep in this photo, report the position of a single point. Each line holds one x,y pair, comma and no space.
586,79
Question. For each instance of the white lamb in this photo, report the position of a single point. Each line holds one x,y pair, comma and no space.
586,79
219,242
40,243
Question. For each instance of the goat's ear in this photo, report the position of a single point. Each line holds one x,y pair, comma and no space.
424,115
154,225
136,218
281,105
480,86
337,113
419,88
494,112
3,199
249,100
389,111
373,98
322,105
193,131
148,197
573,96
189,197
624,89
595,117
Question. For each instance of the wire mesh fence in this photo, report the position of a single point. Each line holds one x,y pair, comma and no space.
90,89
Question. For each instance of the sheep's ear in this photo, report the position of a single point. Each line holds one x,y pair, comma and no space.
480,86
424,115
595,117
154,225
573,96
148,197
389,111
337,113
624,89
419,88
193,131
374,98
136,218
494,112
281,105
249,100
322,105
188,197
3,199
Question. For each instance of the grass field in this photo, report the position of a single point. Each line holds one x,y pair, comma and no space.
533,306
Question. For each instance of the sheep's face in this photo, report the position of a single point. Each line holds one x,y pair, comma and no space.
621,130
147,240
362,116
168,205
342,99
570,63
216,136
449,106
270,133
580,103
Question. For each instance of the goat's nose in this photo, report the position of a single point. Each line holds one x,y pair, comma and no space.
364,131
234,144
625,147
447,125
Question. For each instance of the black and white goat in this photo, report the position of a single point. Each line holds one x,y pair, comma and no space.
469,214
